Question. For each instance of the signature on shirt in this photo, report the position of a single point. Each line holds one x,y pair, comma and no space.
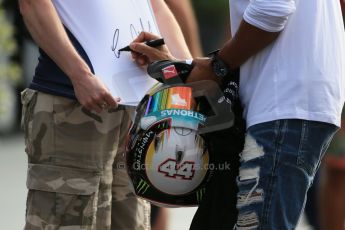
134,30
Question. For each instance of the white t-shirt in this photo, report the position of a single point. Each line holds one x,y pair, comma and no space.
301,75
102,27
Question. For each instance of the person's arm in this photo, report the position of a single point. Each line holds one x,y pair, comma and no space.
48,32
261,25
170,30
184,14
248,41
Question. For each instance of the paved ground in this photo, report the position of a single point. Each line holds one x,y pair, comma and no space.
13,190
12,182
181,218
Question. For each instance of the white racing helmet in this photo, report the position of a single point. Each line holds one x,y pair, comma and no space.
167,159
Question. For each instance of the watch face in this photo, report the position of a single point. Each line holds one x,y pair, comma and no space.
220,69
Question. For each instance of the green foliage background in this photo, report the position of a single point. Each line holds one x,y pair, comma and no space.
213,19
8,70
220,7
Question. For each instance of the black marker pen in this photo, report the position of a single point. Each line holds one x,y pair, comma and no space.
152,43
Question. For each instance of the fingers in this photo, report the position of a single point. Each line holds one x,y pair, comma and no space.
142,60
202,71
142,37
94,95
144,54
142,48
111,101
146,36
101,102
93,106
200,66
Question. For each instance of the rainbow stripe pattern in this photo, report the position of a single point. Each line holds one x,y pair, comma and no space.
179,97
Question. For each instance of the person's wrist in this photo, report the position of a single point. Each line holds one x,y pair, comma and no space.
76,68
79,74
203,71
220,68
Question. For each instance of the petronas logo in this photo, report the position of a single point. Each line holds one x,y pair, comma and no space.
142,186
200,194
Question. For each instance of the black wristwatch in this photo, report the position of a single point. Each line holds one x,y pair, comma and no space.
219,67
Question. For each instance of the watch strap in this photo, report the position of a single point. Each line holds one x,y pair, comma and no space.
232,72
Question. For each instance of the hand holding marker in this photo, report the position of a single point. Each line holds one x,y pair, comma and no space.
151,43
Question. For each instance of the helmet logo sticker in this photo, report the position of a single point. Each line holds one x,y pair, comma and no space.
184,171
169,72
176,99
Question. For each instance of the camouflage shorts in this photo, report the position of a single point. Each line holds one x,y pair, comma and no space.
76,172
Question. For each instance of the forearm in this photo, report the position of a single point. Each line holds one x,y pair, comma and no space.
248,41
48,32
170,30
184,14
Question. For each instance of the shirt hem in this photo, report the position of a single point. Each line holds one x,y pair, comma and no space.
310,117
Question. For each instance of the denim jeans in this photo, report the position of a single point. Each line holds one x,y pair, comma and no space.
278,164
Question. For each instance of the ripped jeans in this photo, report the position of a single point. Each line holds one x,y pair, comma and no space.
278,164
